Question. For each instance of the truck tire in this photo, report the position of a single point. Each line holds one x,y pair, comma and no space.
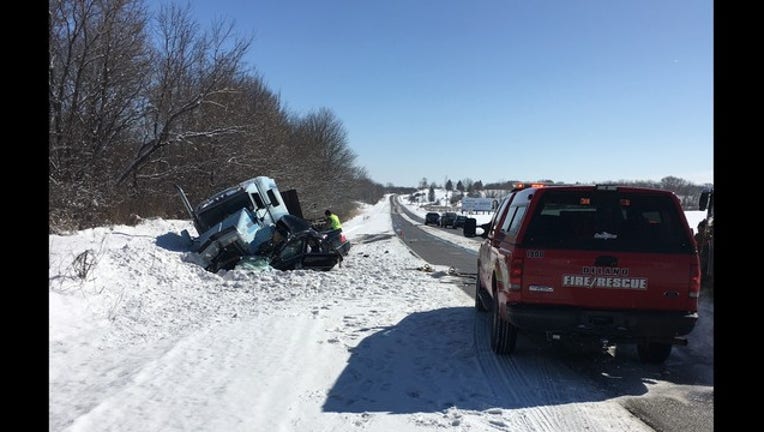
479,306
708,262
470,225
503,333
653,352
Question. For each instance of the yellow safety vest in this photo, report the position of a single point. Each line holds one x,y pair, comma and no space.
334,221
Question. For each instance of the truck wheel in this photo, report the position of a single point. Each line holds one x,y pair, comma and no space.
704,261
479,306
503,334
653,352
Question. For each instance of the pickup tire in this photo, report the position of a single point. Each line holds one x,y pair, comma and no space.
503,333
653,352
479,306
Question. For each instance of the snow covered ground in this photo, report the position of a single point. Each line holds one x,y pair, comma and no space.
142,339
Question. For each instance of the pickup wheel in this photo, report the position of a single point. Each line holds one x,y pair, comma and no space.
503,333
479,306
653,352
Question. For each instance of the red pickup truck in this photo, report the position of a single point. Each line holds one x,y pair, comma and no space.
609,263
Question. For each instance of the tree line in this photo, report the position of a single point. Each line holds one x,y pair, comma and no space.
139,102
687,192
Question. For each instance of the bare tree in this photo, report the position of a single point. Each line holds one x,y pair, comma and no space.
255,145
322,163
467,184
98,64
367,190
687,192
192,68
129,118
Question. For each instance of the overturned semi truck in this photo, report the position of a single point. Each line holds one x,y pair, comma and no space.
234,222
241,221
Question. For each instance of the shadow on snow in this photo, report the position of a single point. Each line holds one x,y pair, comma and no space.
434,360
173,242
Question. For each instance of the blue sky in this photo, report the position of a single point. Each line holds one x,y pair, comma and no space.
568,90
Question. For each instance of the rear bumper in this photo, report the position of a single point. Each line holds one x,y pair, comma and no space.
623,324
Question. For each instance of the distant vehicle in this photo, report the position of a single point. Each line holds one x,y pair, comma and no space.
432,218
605,263
459,221
447,219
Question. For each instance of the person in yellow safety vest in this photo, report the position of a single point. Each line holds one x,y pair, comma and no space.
332,220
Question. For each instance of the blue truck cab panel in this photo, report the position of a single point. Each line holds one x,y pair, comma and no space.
235,222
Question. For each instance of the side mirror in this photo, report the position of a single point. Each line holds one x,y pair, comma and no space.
485,227
703,204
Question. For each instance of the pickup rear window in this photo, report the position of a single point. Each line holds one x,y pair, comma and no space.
607,221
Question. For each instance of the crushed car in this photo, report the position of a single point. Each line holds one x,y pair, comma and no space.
254,220
298,245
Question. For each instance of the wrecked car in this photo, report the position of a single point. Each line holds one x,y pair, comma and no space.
296,245
242,220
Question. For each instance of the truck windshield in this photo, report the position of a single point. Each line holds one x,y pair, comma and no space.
213,212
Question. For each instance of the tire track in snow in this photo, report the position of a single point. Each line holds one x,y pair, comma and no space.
539,393
504,378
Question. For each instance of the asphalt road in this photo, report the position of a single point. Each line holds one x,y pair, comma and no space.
683,404
435,250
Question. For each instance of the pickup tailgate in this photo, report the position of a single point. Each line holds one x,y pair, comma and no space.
612,280
614,248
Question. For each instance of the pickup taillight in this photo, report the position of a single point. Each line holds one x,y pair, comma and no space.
516,273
